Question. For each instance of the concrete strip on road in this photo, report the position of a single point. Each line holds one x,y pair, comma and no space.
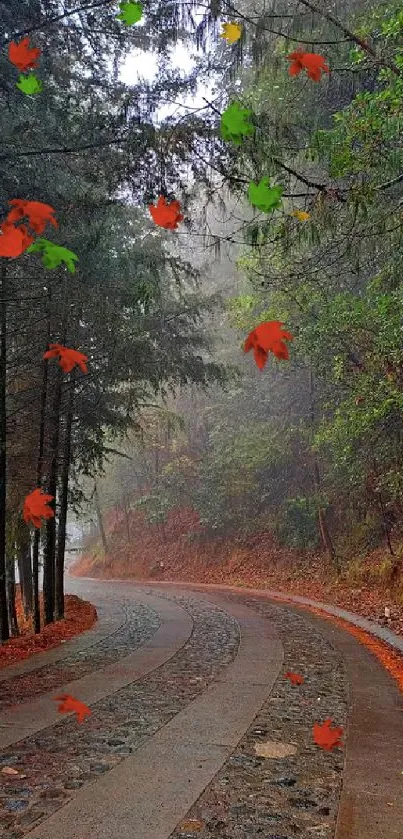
30,717
109,621
373,628
371,804
146,795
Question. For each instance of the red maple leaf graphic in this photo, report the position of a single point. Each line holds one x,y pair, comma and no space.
38,214
14,240
265,338
35,507
314,64
326,737
68,358
22,55
166,215
69,703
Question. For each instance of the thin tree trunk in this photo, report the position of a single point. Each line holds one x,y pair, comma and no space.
12,612
385,525
50,528
127,520
61,533
322,519
4,623
39,471
100,522
24,568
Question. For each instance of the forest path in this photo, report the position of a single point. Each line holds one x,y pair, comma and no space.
186,692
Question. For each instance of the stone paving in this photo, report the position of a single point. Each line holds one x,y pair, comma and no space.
255,797
67,756
294,796
140,624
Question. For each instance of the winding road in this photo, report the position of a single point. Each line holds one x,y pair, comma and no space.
194,731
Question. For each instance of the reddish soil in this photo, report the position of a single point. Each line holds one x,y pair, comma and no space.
255,561
79,616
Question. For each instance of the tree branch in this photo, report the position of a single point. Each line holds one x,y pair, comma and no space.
350,35
39,26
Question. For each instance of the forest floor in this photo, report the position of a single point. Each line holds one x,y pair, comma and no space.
254,561
79,616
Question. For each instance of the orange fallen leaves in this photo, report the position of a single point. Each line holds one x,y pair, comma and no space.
14,240
392,661
78,617
294,678
191,826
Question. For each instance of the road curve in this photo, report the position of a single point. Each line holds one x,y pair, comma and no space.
177,716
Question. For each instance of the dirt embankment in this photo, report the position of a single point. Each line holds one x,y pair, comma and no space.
136,551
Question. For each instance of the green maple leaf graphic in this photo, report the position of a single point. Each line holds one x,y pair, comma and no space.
234,123
29,84
263,196
54,255
130,13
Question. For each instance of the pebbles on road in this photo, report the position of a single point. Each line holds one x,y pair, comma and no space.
289,796
67,756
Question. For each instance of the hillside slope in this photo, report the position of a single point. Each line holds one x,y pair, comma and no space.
258,561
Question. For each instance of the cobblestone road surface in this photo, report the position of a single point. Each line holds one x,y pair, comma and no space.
178,751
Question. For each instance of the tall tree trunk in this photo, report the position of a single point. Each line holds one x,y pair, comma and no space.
385,524
4,623
49,552
12,612
64,480
127,520
322,519
24,568
100,522
39,473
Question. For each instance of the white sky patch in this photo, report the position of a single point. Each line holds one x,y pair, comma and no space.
142,65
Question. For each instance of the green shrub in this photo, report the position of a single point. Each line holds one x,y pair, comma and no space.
296,525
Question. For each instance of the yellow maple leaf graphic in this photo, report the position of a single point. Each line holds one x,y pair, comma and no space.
231,32
301,215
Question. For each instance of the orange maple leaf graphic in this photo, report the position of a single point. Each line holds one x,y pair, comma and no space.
69,703
22,55
14,240
35,507
314,64
294,678
265,338
68,358
166,215
326,737
39,214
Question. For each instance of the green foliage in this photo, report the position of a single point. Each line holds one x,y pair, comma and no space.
296,524
155,508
